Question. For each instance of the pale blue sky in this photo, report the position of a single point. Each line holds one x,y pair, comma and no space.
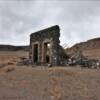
79,20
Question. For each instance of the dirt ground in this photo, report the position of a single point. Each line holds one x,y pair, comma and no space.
42,83
11,56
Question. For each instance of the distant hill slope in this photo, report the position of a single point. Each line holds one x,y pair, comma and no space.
13,48
89,48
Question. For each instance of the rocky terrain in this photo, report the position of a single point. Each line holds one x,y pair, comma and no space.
43,83
90,48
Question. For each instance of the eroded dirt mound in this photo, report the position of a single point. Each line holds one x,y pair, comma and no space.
90,48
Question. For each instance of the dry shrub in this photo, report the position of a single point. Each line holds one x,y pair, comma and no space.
55,92
2,65
8,69
54,80
10,63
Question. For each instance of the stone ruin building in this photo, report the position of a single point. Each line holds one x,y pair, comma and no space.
45,49
44,46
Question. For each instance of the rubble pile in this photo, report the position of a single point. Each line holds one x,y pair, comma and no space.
84,62
79,59
24,61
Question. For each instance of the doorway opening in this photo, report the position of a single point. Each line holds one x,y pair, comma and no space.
35,56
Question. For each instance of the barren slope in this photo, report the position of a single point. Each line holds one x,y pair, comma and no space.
11,56
90,48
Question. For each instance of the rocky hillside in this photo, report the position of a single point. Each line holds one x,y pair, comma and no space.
88,45
13,48
89,48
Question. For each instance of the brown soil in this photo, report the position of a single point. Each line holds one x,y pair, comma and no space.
42,83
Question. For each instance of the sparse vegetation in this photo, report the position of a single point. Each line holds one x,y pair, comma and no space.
43,83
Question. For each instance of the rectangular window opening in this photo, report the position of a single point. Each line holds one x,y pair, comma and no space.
47,52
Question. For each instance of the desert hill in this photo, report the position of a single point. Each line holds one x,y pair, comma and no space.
13,48
90,48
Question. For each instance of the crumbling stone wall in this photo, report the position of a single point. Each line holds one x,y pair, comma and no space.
38,45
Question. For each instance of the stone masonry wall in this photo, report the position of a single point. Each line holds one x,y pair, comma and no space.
50,35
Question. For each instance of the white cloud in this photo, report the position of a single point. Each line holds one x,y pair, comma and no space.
78,20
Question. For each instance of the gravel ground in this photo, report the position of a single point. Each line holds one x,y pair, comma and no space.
57,83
